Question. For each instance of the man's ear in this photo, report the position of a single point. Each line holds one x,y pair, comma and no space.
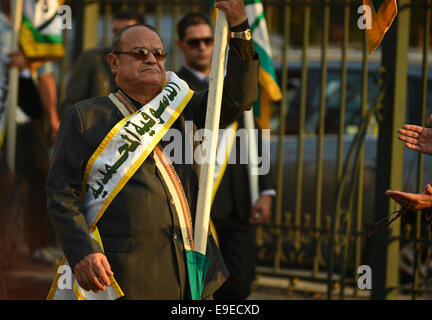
113,62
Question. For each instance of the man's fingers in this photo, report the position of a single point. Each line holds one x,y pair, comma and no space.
94,282
412,146
412,134
258,215
409,140
107,267
399,197
102,274
93,271
255,215
408,200
86,282
80,281
234,9
410,128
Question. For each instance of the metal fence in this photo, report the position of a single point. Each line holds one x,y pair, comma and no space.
334,137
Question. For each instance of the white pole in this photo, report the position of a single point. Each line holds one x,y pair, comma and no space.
17,8
212,123
252,156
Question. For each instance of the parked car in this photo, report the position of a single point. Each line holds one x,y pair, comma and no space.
352,121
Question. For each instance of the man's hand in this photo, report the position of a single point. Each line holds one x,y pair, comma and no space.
234,10
262,209
92,272
412,201
17,59
417,138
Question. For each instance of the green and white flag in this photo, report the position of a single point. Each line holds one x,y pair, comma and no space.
269,88
41,37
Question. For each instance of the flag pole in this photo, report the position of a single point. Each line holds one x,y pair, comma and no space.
252,156
17,7
211,132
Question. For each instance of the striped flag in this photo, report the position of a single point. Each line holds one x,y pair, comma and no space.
41,35
379,21
268,87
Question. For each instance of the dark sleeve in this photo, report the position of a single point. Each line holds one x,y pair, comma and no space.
240,85
265,180
242,48
63,189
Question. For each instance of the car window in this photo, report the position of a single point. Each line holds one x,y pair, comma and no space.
353,102
332,110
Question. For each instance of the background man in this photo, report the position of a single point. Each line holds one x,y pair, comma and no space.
139,229
91,76
234,218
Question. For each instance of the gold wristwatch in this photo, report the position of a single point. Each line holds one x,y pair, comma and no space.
245,35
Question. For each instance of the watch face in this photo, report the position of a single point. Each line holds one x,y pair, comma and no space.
248,34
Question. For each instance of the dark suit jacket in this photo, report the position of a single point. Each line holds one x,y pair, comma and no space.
193,82
232,204
91,77
141,236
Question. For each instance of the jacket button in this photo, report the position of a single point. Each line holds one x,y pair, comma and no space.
175,236
172,201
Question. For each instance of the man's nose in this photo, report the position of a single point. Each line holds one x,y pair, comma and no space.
202,45
150,58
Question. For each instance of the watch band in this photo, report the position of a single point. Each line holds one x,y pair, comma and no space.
244,35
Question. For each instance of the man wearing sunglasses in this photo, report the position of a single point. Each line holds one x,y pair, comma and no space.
122,214
195,36
233,216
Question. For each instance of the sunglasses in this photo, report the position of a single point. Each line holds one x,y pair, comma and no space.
142,53
196,42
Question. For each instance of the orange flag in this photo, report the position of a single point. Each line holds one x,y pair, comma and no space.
378,20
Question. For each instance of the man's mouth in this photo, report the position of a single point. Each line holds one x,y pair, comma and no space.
149,70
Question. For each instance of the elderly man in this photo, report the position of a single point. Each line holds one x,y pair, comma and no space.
122,212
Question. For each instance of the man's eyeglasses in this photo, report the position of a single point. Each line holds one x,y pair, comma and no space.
196,42
141,53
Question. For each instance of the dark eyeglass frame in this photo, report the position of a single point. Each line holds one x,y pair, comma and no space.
158,53
195,42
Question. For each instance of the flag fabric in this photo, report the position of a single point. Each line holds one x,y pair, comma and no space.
41,34
382,15
197,266
268,87
5,45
